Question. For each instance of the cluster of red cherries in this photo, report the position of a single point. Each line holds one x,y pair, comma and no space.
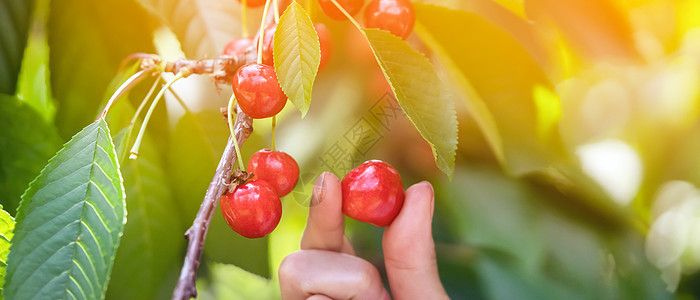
372,192
255,85
254,208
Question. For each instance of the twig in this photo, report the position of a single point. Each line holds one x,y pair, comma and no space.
221,68
196,234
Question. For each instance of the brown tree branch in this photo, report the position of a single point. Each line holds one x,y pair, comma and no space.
196,235
222,69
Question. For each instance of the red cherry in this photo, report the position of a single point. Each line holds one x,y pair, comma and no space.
351,6
324,38
395,16
279,169
373,193
252,3
268,46
257,91
253,209
237,46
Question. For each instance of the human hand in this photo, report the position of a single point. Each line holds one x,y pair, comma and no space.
326,267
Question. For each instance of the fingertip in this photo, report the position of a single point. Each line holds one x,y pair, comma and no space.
413,221
325,228
424,188
419,199
331,178
319,190
325,187
431,191
409,250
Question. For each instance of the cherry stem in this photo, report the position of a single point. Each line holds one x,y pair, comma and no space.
347,15
261,36
274,123
145,100
231,102
244,18
138,112
134,153
127,85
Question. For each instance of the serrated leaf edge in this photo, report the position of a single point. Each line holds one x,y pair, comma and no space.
443,164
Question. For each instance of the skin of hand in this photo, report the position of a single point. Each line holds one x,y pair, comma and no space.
326,267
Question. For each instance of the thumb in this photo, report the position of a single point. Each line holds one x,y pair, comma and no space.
409,250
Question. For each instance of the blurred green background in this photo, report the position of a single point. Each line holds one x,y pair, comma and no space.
576,171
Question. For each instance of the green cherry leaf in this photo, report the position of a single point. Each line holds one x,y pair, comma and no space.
420,93
297,55
69,223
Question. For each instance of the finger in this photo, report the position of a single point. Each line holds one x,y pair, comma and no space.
325,228
309,273
409,250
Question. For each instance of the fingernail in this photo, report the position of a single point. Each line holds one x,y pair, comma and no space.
319,190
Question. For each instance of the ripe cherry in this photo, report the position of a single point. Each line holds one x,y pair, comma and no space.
324,38
268,45
253,3
253,209
372,193
237,46
277,168
395,16
257,91
351,6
